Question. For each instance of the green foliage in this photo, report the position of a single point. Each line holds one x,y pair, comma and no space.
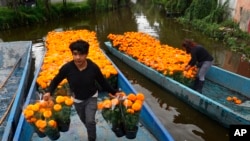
228,32
9,18
174,5
73,9
199,9
218,14
131,120
6,15
210,17
64,114
92,4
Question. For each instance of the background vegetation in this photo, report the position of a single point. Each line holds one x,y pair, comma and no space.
17,13
212,19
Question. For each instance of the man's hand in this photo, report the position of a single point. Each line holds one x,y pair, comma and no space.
46,96
187,67
117,95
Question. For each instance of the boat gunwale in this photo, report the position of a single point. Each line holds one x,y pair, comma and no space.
242,87
27,101
13,115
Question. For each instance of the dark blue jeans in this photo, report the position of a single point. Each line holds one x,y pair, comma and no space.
86,111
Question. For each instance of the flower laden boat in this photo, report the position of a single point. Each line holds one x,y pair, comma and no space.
150,128
226,95
15,68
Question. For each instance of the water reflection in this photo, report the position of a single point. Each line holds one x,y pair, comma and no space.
171,118
143,25
37,51
233,63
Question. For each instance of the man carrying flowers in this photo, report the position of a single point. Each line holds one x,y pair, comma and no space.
82,75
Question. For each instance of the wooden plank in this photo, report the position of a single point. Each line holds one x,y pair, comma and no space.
12,70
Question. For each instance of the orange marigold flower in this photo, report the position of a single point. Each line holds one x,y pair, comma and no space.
28,113
44,103
139,101
140,96
47,114
36,107
107,103
136,107
33,119
41,123
57,107
131,97
60,99
127,103
69,101
131,111
50,103
29,107
100,105
52,123
42,110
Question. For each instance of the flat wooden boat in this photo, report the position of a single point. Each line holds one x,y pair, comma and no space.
150,128
15,68
213,102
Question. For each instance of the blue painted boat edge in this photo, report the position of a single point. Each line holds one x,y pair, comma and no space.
216,111
14,113
20,135
225,78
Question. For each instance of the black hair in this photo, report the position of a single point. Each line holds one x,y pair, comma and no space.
80,45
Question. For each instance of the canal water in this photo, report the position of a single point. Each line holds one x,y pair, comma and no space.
182,121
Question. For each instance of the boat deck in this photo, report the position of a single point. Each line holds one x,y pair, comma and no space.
219,93
77,131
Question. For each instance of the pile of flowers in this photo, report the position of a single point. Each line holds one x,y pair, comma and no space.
122,113
44,116
146,49
58,53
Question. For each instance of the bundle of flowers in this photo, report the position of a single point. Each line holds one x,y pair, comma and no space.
131,110
62,111
41,118
58,53
110,109
146,49
46,116
123,114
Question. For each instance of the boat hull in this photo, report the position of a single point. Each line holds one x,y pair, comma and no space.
150,127
16,58
212,103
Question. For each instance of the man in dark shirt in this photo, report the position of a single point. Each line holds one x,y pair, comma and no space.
201,58
82,75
